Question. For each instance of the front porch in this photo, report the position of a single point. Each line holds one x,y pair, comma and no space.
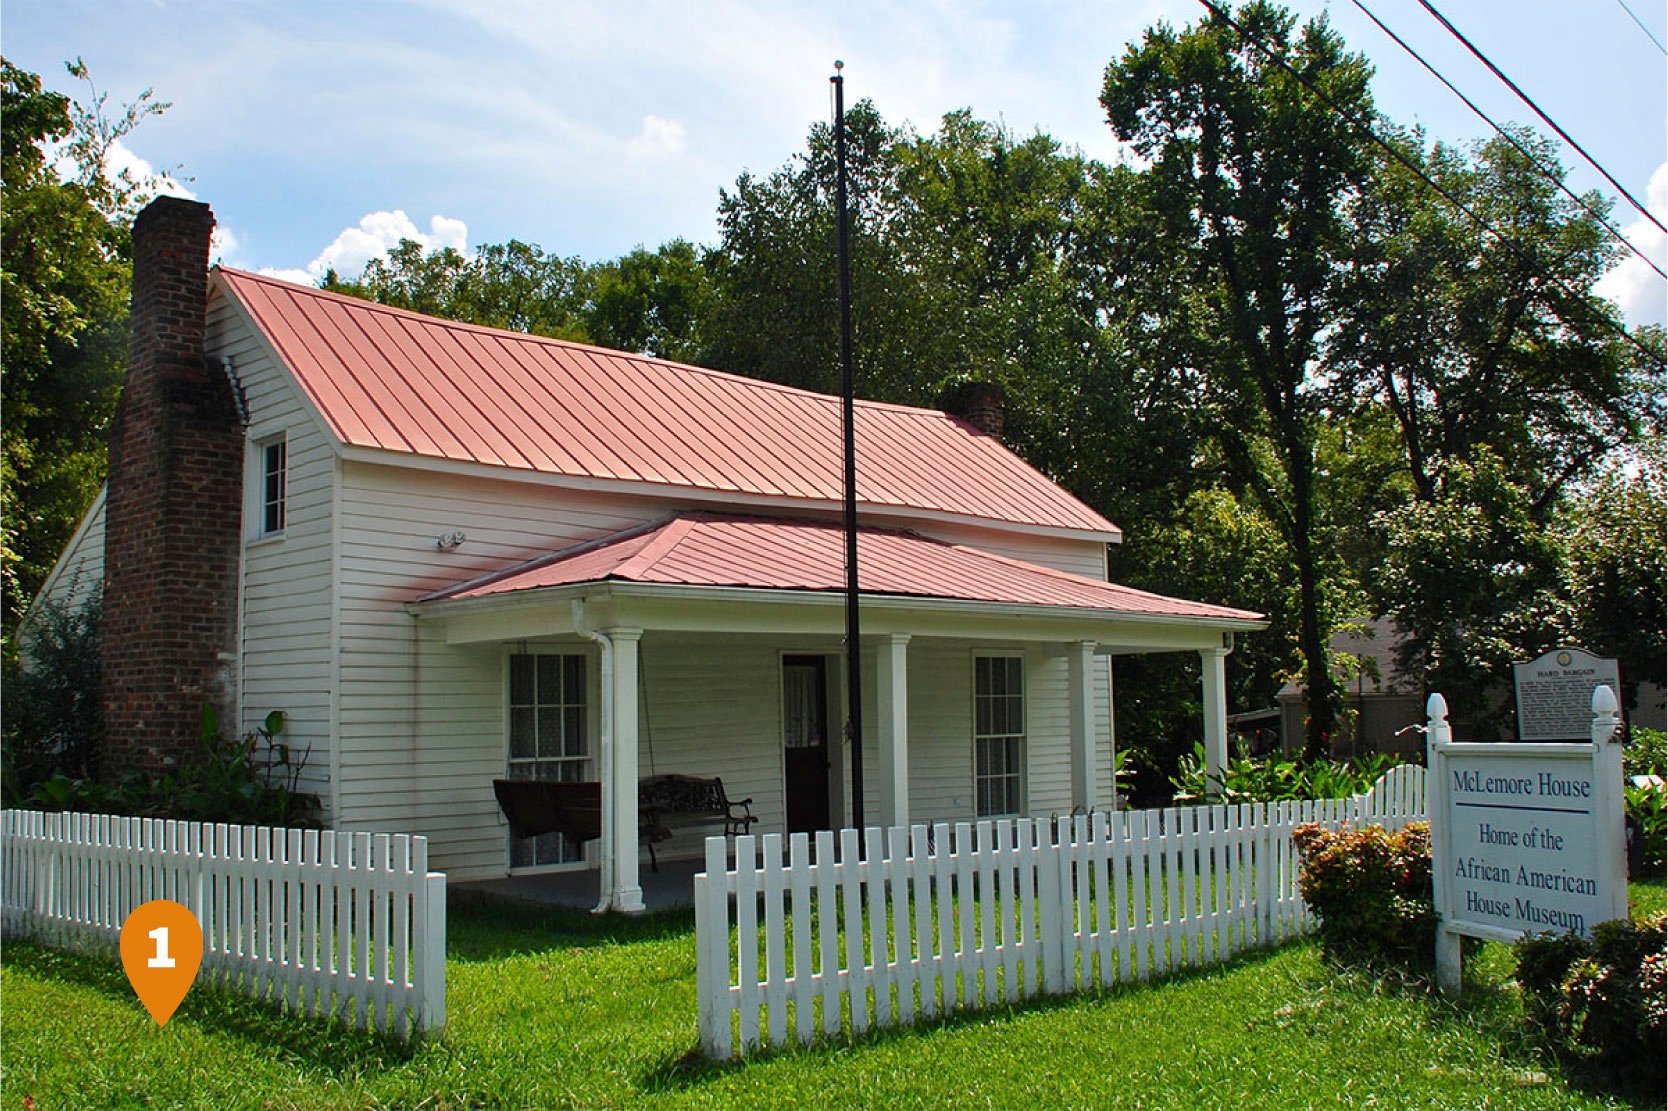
671,888
985,681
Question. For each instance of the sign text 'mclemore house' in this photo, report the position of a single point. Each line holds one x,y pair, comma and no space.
1524,837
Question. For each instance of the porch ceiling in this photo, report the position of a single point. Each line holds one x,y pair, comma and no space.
726,573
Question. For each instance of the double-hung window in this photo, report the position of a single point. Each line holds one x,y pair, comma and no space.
548,726
999,734
272,494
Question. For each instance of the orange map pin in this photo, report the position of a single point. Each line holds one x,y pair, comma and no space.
162,947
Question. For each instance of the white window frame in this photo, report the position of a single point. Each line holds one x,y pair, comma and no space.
1006,737
260,497
562,857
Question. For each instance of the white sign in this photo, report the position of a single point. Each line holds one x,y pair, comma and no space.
1555,692
1525,838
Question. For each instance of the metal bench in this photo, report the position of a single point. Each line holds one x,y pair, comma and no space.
686,800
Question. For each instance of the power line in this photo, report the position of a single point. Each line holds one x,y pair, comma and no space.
1389,148
1550,122
1650,34
1512,139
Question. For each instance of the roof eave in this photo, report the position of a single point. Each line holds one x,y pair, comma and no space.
518,599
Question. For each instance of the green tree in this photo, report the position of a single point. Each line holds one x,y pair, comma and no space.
1252,179
1614,533
652,302
514,285
1474,580
1472,343
64,253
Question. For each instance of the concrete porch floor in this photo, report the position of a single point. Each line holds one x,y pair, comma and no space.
671,887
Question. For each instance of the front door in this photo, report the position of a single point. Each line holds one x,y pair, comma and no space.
805,741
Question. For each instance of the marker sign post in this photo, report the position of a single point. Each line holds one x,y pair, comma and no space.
1525,837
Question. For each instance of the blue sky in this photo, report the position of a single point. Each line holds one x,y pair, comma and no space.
322,132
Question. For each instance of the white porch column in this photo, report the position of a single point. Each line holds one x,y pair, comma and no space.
1215,682
1080,663
892,714
625,892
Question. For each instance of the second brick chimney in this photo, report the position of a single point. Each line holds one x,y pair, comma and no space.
173,509
984,405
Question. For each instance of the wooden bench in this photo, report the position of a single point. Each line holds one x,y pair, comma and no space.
664,802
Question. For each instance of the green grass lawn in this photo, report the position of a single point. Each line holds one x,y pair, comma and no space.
560,1010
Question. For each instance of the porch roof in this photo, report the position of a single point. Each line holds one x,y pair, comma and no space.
718,550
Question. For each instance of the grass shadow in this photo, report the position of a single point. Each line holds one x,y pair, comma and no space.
1490,1004
319,1043
689,1069
488,929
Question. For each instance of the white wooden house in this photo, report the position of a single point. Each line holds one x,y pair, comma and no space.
466,553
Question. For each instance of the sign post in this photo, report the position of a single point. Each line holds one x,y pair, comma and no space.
1524,837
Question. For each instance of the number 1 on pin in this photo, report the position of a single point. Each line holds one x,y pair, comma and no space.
162,947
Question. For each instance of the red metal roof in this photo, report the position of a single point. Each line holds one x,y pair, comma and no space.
388,379
702,549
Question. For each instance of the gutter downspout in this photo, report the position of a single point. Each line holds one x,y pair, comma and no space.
605,758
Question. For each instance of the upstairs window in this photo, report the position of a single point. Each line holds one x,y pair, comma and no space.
274,487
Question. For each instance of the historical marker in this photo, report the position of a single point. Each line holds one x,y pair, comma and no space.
1555,693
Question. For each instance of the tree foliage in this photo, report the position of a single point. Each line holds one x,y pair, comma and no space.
66,271
1252,180
1301,380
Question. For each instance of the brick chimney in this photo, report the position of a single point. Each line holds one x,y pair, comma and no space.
982,404
173,510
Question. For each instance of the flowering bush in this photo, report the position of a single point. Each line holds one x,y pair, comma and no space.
1371,890
1603,1001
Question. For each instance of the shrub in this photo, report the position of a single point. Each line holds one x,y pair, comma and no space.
251,779
1272,779
53,722
1601,1002
1646,805
1646,752
1371,890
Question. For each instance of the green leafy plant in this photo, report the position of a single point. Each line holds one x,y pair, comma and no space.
1646,803
1602,1002
1247,778
1646,752
1647,808
252,779
1371,890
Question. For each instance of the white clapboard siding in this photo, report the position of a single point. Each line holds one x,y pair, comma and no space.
288,599
941,918
321,923
78,574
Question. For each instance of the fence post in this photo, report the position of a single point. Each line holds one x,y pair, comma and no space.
433,991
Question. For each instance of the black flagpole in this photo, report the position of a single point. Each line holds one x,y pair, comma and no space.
854,681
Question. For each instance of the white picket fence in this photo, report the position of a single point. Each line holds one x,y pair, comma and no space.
350,925
924,920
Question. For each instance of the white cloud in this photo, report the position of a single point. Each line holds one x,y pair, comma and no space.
120,162
1635,288
374,236
223,244
659,137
